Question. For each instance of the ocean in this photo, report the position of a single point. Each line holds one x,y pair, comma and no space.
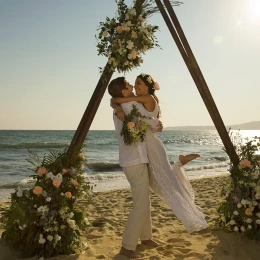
101,150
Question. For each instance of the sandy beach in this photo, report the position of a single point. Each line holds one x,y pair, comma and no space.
108,214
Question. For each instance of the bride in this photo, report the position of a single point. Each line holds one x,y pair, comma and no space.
169,182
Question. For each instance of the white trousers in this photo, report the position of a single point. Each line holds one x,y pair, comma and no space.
139,223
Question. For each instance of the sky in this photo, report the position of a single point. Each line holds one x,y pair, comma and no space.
49,63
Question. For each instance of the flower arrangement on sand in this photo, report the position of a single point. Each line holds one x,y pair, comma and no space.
240,209
126,37
45,220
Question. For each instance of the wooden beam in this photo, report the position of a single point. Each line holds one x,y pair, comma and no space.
192,65
90,112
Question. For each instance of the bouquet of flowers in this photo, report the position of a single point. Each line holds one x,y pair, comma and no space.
134,128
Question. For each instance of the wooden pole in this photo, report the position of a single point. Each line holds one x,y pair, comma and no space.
90,112
191,63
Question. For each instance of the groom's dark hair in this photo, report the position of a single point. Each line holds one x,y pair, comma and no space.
116,86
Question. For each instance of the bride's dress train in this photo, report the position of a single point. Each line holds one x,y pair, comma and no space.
172,185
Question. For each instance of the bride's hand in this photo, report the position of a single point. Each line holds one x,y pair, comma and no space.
120,113
159,127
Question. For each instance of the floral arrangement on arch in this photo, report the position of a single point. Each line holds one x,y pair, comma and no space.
240,209
44,220
126,37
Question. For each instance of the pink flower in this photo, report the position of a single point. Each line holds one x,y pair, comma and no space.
64,171
68,194
56,182
119,29
258,162
134,35
42,171
156,86
75,183
245,163
140,18
130,125
236,199
37,190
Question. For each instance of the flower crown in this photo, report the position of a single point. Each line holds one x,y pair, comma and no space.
150,80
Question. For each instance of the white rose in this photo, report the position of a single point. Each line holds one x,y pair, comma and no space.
50,237
50,175
236,229
249,227
232,222
257,221
235,213
243,202
243,229
42,240
48,199
249,220
258,214
223,218
57,237
59,176
105,33
239,205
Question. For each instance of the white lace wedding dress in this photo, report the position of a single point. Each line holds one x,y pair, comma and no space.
172,185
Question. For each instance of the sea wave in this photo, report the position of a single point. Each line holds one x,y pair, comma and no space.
33,145
103,166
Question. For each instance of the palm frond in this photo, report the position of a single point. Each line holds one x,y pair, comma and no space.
148,6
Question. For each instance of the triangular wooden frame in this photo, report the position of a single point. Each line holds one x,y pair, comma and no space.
193,67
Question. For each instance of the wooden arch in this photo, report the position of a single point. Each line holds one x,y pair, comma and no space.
179,37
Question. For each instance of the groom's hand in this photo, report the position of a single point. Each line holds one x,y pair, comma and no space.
159,128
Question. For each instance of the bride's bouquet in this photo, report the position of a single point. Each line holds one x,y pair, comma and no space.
134,128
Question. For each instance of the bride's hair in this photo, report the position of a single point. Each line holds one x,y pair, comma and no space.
149,82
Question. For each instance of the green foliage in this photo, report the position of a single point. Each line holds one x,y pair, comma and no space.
45,220
240,209
124,38
134,128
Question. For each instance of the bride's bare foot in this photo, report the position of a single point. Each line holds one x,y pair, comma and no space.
149,242
187,158
129,253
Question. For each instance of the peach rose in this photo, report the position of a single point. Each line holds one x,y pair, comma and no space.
64,171
42,171
140,18
245,163
75,183
37,190
56,182
130,125
248,212
82,156
258,162
134,35
68,194
119,29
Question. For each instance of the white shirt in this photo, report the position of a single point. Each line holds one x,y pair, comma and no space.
134,154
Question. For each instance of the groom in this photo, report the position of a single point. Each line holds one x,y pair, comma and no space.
133,159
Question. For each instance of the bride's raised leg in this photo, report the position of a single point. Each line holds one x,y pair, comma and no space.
187,158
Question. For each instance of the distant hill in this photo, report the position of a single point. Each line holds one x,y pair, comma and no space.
255,125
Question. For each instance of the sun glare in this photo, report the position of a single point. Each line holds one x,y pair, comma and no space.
255,8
